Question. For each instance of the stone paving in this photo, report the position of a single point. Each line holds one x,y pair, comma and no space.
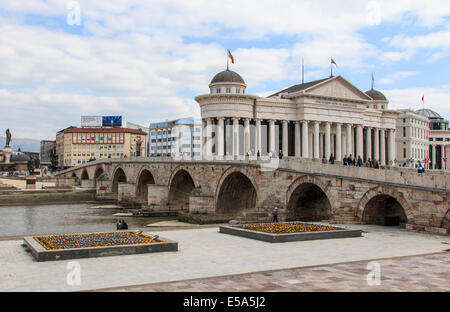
414,273
205,252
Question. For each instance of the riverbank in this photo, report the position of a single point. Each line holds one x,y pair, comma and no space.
44,197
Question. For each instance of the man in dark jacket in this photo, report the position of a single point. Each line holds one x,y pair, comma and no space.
360,161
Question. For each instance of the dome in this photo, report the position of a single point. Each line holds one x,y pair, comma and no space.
227,76
376,95
428,113
19,157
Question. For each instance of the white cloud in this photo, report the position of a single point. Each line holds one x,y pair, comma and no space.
133,58
436,98
391,78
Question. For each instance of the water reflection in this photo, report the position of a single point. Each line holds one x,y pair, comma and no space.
50,219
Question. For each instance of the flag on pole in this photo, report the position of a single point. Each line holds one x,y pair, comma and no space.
333,62
423,98
230,56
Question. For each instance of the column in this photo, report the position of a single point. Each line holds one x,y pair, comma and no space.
376,144
349,140
338,155
433,151
359,141
235,136
383,147
285,138
297,139
203,137
316,140
321,146
391,137
442,157
208,137
369,143
220,137
327,140
272,136
258,137
246,135
305,153
310,145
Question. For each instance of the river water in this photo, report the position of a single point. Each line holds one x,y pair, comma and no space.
52,219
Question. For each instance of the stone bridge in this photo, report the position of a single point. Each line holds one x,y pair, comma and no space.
222,190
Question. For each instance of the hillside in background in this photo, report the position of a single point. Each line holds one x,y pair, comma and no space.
25,145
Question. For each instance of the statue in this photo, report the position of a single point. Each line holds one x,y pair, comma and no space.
8,137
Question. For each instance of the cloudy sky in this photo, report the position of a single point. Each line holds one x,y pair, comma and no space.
147,60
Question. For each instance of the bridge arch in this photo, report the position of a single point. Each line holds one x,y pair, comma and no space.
145,177
308,199
181,185
236,192
98,172
119,176
381,202
85,175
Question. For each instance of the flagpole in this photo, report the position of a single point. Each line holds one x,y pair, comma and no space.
227,61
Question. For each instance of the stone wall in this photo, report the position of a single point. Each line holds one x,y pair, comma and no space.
424,198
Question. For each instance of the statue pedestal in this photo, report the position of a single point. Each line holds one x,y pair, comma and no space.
7,152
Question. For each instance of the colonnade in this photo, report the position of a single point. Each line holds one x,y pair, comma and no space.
311,139
441,162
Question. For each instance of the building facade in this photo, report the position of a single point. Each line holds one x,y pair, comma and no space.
309,120
180,137
75,146
412,139
439,139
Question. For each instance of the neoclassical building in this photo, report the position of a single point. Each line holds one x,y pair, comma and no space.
309,120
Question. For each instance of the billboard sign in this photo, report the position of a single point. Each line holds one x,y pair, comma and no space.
112,121
91,121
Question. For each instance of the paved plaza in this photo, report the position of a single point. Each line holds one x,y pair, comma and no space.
412,273
206,253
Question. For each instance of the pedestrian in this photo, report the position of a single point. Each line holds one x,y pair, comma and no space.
375,163
275,215
332,159
258,154
420,168
344,160
360,161
369,163
270,154
281,154
350,160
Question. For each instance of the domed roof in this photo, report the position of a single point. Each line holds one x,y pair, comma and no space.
19,157
428,113
376,95
227,76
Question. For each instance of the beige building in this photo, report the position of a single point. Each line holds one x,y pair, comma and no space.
412,139
75,146
308,120
439,139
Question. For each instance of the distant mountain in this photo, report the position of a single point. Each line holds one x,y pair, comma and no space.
25,145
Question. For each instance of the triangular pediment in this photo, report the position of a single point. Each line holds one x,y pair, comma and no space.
337,87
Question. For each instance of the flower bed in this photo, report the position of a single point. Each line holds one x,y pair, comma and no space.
86,240
288,231
288,227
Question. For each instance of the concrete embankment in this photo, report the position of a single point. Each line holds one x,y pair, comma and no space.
14,198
